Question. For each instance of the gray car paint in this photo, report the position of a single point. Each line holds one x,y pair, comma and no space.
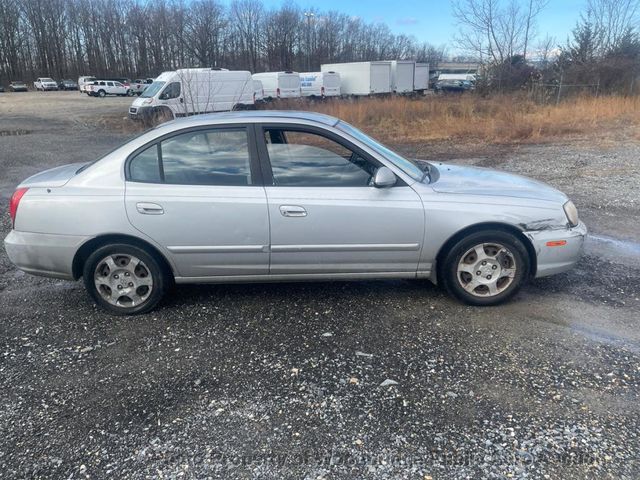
224,234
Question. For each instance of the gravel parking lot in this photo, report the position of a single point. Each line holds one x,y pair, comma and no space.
388,379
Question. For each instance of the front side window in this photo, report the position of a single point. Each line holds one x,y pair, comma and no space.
202,157
172,91
306,159
109,84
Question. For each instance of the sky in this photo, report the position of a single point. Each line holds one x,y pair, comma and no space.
432,20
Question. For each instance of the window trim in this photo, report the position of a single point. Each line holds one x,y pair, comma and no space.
265,161
254,165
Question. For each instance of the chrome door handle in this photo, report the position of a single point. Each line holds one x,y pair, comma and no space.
149,208
292,211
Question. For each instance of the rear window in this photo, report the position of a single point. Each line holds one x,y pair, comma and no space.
290,81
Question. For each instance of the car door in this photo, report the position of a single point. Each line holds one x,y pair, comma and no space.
326,217
119,88
198,193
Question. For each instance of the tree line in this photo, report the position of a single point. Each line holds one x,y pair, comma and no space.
601,55
140,38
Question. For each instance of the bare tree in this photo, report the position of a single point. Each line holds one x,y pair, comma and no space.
613,19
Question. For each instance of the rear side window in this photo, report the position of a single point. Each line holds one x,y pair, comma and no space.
145,167
203,157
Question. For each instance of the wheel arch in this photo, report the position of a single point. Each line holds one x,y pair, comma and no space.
92,244
479,227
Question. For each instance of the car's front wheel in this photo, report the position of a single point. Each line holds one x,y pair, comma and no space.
124,279
485,268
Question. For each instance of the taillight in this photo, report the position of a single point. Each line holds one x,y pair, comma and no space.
14,202
277,92
254,97
322,91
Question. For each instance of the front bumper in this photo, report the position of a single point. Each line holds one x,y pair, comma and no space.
43,254
140,113
557,259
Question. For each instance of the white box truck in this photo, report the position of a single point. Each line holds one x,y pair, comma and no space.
279,84
320,84
421,77
191,91
362,78
402,75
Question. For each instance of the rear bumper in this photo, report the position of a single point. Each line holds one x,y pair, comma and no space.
557,259
43,254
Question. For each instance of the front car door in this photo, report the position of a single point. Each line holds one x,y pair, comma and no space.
326,216
198,193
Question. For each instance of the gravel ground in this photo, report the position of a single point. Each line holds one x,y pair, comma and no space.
388,379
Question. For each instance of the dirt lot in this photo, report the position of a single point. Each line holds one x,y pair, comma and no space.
284,381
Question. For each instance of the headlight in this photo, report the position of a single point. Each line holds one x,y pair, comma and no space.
571,212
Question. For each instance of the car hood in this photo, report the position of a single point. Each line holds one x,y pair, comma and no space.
483,181
54,177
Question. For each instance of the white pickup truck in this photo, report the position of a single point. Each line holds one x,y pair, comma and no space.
139,84
102,88
45,83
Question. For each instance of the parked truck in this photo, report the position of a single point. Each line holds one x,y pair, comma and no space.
421,77
192,91
402,76
362,78
320,84
279,84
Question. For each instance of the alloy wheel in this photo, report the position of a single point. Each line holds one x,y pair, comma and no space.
123,280
486,269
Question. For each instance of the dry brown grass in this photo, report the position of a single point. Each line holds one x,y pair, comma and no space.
499,119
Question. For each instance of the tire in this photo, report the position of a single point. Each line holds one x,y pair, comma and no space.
129,93
142,285
102,93
485,268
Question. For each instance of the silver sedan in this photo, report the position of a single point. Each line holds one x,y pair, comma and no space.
284,196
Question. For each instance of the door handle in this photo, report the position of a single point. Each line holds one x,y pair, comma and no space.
292,211
149,208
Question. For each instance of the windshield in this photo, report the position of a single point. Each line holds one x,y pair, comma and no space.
47,80
152,89
407,166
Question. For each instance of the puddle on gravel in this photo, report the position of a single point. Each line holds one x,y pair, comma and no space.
622,251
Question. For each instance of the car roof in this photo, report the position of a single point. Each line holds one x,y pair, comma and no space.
261,116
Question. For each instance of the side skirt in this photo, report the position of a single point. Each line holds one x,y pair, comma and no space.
301,277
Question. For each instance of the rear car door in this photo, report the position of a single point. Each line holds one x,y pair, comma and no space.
198,193
326,217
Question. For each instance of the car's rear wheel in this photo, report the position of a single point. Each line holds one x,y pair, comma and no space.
124,279
485,268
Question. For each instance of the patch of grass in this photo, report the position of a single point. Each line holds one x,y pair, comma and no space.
498,119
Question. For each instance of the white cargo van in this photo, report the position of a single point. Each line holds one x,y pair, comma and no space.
258,91
421,77
402,73
279,84
320,84
191,91
362,78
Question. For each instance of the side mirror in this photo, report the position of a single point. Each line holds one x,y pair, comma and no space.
384,178
164,96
